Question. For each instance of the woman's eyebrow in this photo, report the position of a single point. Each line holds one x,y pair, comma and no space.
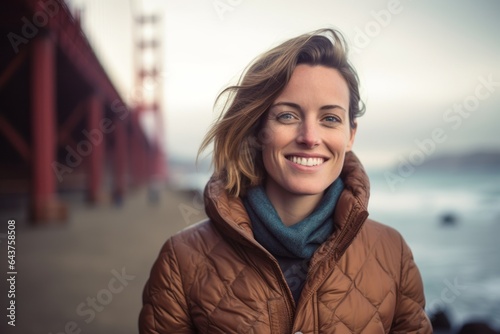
332,106
288,104
298,107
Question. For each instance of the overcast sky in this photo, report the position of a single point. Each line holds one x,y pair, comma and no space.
416,59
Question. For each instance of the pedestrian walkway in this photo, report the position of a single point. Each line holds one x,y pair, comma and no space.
89,273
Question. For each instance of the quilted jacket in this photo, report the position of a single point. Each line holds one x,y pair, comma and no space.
215,278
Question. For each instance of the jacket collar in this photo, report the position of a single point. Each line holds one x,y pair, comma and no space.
229,216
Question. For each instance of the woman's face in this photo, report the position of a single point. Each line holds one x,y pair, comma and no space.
307,133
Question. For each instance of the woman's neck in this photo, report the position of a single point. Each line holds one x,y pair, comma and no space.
291,208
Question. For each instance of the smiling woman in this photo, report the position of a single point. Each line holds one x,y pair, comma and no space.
288,246
309,134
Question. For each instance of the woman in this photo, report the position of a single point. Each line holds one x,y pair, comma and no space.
287,247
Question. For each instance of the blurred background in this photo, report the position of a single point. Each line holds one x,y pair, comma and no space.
103,105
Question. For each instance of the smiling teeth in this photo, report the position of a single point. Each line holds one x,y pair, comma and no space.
307,161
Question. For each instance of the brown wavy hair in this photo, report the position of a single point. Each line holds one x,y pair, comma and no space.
237,133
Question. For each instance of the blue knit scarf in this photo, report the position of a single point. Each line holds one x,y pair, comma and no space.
300,240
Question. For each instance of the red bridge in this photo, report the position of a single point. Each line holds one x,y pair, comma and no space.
64,128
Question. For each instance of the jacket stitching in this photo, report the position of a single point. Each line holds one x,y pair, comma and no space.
188,302
353,286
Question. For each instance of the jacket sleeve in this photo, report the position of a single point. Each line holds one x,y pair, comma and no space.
165,309
410,316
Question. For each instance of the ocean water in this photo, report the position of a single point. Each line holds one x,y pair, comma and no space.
459,262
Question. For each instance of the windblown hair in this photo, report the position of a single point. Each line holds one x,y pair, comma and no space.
237,134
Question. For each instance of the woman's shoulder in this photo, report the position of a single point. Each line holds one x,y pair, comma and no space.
383,243
375,225
201,234
380,234
192,243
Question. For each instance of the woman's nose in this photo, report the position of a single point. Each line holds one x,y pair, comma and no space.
308,134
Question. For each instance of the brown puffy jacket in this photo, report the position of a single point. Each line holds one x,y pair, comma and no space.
215,278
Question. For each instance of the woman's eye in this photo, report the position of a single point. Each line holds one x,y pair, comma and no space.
286,117
331,119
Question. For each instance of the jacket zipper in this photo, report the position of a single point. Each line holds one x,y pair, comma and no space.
289,302
286,293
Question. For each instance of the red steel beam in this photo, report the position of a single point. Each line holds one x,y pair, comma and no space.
13,66
97,143
120,157
15,139
74,45
43,115
69,124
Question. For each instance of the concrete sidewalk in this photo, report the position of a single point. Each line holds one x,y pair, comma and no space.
89,274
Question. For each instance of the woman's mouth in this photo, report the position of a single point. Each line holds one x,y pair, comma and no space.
303,161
